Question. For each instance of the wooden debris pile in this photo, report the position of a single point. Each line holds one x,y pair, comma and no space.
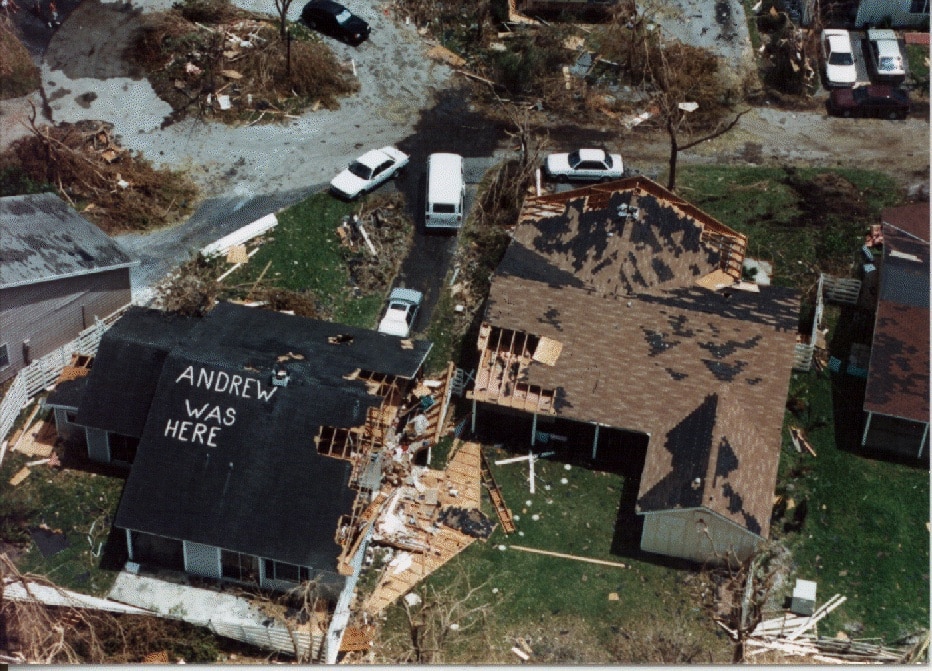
109,185
375,242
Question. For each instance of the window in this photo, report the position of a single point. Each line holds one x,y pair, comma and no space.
276,570
4,356
919,7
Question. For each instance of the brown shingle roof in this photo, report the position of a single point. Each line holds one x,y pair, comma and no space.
666,365
645,349
912,218
898,378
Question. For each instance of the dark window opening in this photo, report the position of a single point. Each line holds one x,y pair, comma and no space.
164,552
239,566
4,356
122,448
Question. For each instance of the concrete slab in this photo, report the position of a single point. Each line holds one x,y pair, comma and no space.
192,604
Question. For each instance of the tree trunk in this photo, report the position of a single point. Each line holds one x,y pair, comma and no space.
674,150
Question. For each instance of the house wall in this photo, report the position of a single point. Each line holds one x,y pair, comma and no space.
98,445
682,533
65,428
49,314
900,13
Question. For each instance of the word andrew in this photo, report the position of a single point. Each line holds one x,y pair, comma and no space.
206,419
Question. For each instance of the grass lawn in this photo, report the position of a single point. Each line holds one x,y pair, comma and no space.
77,503
801,220
865,535
304,254
543,596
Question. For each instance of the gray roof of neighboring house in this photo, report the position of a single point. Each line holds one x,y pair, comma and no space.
45,239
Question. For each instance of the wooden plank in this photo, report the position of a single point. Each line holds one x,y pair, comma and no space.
562,555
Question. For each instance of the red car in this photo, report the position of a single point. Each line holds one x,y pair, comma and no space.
875,100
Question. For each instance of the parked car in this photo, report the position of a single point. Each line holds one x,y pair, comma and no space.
368,171
584,164
877,100
839,58
403,305
332,18
883,54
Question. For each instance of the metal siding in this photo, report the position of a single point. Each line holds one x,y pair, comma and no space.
679,533
49,314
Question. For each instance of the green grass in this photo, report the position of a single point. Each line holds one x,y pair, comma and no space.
304,254
865,534
70,501
535,594
802,227
917,56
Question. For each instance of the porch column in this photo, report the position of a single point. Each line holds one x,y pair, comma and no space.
595,441
867,427
129,546
473,423
534,430
922,445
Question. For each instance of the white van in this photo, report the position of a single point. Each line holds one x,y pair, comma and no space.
445,191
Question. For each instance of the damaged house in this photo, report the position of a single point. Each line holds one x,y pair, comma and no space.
254,437
618,326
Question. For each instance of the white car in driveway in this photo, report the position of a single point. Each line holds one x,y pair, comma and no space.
839,58
883,49
591,165
403,305
368,171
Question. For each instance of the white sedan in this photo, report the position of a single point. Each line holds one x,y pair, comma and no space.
368,171
584,164
403,305
839,58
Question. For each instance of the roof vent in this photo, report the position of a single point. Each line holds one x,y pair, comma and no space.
280,377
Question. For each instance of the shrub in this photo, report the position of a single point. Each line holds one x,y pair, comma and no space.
19,76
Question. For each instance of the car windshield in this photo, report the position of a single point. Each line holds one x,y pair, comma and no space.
840,58
889,63
343,16
360,170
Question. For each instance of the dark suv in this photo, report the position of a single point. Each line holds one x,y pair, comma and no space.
875,100
332,18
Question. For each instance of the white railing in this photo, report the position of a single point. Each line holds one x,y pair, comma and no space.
43,372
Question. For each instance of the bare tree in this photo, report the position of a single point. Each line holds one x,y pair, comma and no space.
685,84
433,619
282,7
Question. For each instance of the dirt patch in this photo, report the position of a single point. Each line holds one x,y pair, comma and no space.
827,198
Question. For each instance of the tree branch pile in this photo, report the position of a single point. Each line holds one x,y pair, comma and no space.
109,185
389,230
237,68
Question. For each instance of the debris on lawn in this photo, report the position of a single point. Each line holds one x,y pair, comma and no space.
112,187
375,241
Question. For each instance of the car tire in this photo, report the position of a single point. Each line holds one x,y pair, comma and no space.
563,178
